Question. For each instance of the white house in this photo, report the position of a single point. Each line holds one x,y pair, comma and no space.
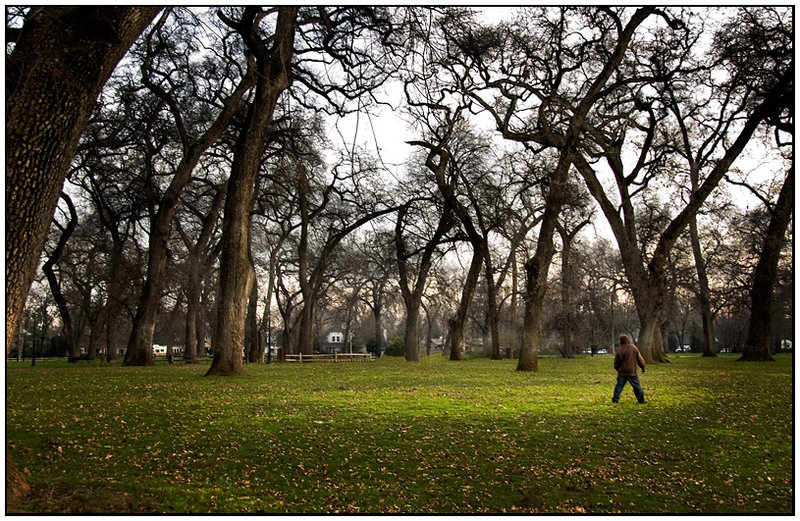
334,341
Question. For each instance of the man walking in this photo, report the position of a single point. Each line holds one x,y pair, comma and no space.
625,362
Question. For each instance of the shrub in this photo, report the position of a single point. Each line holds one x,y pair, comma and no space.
395,346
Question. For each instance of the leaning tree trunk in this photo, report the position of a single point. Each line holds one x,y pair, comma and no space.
61,60
274,76
458,349
55,286
756,347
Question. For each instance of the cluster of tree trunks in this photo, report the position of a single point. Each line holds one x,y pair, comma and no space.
64,55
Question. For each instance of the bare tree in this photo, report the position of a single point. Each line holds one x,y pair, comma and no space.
575,216
413,276
272,69
201,252
54,282
756,347
190,97
535,109
740,115
60,60
336,55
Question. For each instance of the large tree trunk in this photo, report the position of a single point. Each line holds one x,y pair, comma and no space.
411,342
274,76
537,268
61,60
140,344
305,335
650,342
531,325
756,347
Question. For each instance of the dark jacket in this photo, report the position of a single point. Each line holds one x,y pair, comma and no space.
626,360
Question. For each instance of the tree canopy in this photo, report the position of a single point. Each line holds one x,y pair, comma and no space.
573,173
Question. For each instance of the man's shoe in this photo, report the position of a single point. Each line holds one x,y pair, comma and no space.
644,401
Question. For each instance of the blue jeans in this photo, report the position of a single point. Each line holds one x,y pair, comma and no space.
634,381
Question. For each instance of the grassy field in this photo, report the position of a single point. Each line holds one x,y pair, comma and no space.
387,436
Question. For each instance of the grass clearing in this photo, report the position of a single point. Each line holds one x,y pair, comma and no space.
387,436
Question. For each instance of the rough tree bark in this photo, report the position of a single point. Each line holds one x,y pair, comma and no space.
756,348
273,73
537,267
61,59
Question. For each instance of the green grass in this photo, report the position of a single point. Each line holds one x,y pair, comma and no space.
387,436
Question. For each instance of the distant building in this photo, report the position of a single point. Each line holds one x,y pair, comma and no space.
160,351
334,341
